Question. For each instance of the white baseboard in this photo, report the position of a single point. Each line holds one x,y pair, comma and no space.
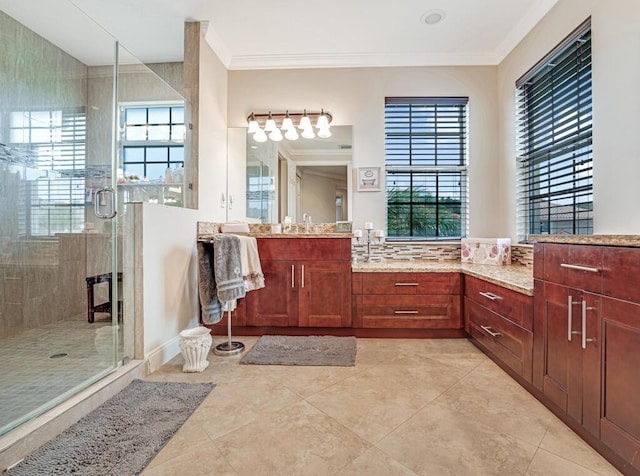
162,354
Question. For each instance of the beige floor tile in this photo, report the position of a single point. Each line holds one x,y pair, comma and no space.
371,404
298,439
562,441
548,464
440,441
232,405
202,459
422,375
374,462
182,442
500,403
307,380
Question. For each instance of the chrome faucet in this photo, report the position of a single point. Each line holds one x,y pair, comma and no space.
306,218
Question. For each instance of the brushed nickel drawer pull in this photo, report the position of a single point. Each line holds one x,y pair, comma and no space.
491,296
303,276
293,276
579,268
405,312
584,324
569,317
490,331
406,284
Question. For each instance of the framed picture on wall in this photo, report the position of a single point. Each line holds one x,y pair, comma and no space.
368,179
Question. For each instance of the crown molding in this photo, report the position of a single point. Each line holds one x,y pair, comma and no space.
360,60
218,46
523,27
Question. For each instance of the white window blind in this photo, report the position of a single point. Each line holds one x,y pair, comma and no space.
55,146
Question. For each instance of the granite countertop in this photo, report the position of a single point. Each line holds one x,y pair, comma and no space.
515,277
208,237
301,235
606,240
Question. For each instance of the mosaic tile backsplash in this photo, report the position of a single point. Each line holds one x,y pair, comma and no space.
394,250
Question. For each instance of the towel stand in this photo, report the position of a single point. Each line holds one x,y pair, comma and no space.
230,347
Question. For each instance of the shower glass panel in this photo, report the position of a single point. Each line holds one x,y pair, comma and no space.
63,324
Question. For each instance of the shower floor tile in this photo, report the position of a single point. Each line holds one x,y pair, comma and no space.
43,363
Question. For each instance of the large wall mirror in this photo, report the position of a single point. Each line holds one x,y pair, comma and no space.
291,178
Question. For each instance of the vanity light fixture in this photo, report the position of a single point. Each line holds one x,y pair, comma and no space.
276,125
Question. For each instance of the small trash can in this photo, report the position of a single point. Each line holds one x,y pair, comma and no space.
195,345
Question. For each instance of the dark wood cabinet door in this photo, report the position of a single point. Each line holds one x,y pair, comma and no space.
557,359
324,294
276,303
620,411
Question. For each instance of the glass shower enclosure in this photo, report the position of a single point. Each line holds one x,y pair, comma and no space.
63,231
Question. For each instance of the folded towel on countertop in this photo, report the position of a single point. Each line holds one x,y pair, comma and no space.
235,227
251,269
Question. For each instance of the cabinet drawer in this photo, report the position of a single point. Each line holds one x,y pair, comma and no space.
411,283
577,266
510,304
510,343
307,249
621,272
426,311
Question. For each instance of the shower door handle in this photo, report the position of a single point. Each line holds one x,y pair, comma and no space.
96,206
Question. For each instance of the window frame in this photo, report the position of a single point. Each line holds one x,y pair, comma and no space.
554,140
450,163
147,145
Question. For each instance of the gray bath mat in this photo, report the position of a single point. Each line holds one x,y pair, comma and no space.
122,435
303,350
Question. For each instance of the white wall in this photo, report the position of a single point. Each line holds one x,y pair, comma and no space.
212,171
169,234
170,286
616,107
356,97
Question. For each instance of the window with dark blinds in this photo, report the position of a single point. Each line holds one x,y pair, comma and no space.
555,178
426,167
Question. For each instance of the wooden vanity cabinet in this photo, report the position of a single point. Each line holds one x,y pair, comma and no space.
499,320
407,300
587,340
307,283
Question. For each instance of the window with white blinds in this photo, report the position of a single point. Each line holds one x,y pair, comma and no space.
426,167
555,178
55,146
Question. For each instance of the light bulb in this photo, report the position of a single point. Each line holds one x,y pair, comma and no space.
323,121
253,125
260,136
287,124
308,133
270,125
291,134
275,135
324,133
305,122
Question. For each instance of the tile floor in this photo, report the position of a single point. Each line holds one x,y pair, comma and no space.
408,407
31,380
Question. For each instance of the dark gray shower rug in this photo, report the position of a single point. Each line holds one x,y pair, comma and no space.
122,435
303,350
